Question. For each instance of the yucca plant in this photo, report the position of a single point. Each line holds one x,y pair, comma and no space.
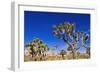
67,33
63,53
37,48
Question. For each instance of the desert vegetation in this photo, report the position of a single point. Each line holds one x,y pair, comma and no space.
38,50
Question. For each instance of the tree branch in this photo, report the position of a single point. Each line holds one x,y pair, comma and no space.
66,41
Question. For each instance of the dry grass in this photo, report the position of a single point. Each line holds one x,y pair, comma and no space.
68,56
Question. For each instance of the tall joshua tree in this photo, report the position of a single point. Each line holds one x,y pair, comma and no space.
66,32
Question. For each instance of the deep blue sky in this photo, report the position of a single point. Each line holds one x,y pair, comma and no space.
39,25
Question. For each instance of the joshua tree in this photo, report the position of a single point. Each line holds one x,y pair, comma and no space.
37,47
66,32
85,37
62,53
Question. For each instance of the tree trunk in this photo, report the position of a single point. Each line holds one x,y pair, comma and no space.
63,57
73,54
87,49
